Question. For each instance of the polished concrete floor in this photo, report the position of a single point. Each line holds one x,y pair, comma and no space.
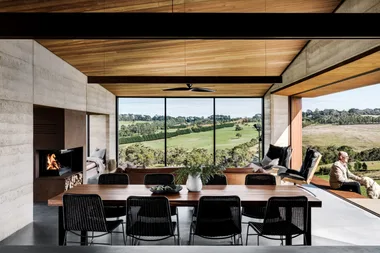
336,223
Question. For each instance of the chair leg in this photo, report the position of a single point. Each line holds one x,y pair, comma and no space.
111,237
191,225
65,238
246,239
122,229
258,240
179,238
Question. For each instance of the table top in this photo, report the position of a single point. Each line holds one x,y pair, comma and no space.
190,249
249,194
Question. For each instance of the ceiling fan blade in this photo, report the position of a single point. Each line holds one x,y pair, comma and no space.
202,90
178,88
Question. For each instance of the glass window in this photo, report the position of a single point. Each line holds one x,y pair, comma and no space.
190,131
141,132
237,141
188,126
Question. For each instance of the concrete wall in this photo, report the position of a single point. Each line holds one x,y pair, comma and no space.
279,120
276,121
30,74
16,135
102,127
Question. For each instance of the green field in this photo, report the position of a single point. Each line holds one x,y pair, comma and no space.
371,165
360,137
225,138
362,188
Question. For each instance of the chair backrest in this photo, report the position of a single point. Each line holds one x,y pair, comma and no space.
113,178
260,179
310,163
217,180
159,179
218,216
149,216
83,212
290,218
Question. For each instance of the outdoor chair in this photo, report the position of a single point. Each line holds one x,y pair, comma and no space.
218,217
149,219
306,173
85,213
290,219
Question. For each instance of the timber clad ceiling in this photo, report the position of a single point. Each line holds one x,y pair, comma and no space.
178,57
239,6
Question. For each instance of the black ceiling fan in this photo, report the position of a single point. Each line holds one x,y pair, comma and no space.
189,88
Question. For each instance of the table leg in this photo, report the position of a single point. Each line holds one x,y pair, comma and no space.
307,237
61,231
83,238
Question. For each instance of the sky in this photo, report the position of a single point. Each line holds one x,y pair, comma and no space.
360,98
236,107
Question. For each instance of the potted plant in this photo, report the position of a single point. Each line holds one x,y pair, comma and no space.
196,176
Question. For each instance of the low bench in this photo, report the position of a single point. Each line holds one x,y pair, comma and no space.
323,184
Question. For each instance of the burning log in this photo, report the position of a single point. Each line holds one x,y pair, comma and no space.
52,163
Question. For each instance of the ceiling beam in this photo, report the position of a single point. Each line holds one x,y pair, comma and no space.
189,25
184,79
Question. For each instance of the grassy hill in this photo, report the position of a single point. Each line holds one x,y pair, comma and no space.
360,137
225,138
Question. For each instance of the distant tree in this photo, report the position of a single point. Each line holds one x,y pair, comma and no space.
364,166
238,135
357,165
238,128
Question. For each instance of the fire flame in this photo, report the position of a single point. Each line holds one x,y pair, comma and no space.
52,163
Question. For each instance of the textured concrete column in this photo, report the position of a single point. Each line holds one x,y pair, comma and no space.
279,120
16,135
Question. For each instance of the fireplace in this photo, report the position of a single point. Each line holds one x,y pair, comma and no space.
60,162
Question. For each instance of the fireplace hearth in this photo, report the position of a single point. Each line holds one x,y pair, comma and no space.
60,162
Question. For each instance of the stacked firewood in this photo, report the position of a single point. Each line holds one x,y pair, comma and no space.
73,180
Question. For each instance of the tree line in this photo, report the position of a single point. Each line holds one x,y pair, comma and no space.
142,155
124,138
330,153
333,116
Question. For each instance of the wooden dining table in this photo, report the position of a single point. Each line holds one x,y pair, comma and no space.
250,195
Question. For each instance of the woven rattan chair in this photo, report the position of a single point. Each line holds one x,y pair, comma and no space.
114,178
218,217
149,219
163,179
85,213
214,180
257,179
291,221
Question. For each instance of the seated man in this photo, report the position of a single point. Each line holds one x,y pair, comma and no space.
341,178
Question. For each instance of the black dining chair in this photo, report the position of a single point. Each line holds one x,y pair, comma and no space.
163,179
149,219
284,217
85,213
114,178
218,217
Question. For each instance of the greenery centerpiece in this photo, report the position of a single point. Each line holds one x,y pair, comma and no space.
200,173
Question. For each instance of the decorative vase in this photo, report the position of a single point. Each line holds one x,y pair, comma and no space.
194,183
